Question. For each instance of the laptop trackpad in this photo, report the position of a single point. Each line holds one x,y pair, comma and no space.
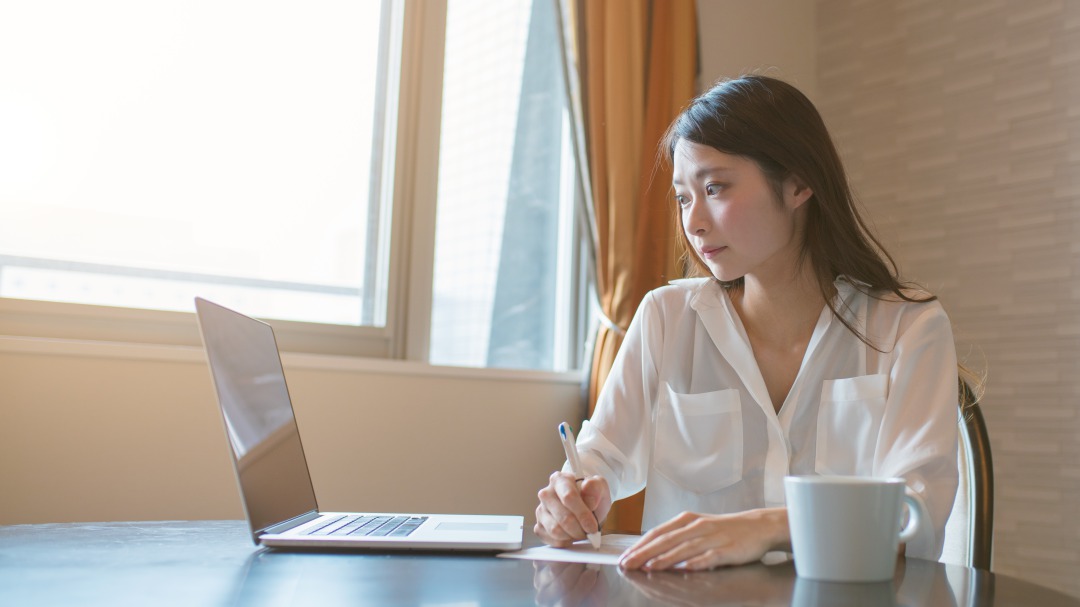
452,526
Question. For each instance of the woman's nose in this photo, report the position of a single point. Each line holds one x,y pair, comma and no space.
694,221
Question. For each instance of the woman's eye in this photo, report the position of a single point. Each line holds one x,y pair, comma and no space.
713,189
682,200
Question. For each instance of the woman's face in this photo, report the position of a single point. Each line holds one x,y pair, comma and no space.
731,215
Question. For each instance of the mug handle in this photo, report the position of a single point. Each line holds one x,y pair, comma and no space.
917,515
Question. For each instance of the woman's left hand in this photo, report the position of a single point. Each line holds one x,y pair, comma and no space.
693,542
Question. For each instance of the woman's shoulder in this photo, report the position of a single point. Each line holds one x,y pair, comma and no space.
911,302
909,295
680,298
686,284
682,290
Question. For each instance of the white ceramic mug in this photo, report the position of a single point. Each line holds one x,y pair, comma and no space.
846,528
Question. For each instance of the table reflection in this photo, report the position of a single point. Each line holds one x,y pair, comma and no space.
757,584
810,593
916,582
214,563
571,584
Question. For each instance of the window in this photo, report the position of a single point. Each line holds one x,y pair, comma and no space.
154,151
253,154
506,188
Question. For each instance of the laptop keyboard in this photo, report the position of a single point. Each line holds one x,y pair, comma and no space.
371,526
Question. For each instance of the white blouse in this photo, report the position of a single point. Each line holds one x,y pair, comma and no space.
686,412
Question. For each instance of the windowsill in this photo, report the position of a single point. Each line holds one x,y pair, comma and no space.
39,346
67,322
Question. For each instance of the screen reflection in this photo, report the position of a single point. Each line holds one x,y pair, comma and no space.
258,415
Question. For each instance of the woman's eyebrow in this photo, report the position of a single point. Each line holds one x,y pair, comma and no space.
706,171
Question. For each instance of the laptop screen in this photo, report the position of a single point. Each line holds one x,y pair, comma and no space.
274,481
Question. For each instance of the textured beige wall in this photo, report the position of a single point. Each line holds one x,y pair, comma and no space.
774,37
960,124
125,432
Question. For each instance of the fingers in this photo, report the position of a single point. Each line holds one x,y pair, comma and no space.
562,516
659,546
710,559
596,495
549,531
684,553
695,542
570,509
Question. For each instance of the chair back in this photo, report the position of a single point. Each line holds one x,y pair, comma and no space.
977,480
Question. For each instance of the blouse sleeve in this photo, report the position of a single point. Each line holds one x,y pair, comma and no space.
918,437
616,442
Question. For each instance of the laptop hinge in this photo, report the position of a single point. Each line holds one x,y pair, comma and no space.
296,521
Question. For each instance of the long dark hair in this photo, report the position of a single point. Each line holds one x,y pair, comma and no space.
776,126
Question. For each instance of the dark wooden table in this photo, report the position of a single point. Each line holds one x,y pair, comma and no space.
214,563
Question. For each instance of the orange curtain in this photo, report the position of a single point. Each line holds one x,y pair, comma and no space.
636,68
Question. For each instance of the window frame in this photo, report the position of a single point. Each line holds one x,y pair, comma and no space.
408,175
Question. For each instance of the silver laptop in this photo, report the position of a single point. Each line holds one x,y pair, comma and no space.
272,472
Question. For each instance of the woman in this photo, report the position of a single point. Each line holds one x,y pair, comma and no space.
800,352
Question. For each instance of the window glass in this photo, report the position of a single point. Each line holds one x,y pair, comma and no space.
153,151
504,268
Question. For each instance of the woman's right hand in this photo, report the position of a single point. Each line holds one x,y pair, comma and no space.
571,509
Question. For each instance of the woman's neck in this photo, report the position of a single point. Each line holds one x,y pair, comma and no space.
780,311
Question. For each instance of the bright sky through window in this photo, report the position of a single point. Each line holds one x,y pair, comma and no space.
151,151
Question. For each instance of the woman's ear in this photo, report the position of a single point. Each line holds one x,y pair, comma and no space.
796,192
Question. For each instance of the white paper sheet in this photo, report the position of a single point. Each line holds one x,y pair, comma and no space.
611,548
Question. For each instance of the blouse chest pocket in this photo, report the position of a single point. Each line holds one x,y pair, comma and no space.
699,439
849,420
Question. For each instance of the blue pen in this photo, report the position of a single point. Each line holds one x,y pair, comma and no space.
569,443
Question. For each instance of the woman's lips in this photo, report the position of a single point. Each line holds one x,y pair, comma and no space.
710,252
